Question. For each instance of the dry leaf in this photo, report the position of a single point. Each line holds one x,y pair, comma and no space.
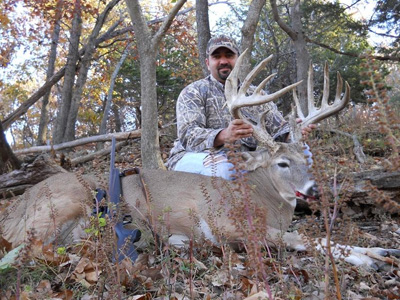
44,287
220,278
258,296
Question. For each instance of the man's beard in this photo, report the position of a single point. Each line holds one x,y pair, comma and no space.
225,74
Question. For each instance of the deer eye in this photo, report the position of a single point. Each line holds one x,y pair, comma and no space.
283,165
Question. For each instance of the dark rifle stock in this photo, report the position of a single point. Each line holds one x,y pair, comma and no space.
125,237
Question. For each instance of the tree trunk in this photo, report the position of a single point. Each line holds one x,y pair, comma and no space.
69,78
248,31
117,118
111,89
147,46
302,56
44,115
203,32
299,43
150,141
69,134
8,161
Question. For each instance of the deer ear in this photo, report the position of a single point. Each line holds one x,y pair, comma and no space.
255,159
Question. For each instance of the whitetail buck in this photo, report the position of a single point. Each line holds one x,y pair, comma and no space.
191,205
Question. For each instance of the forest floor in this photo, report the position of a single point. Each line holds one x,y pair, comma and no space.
204,271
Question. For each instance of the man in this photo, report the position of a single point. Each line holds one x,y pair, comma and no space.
205,124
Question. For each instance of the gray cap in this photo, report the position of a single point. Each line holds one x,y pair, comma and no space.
221,41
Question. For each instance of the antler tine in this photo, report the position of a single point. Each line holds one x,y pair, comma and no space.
297,105
326,110
325,94
231,83
250,77
310,89
312,110
261,134
238,99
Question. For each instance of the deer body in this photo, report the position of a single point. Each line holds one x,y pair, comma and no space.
188,204
54,210
193,204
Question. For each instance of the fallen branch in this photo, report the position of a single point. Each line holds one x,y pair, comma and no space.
358,148
82,141
91,156
15,182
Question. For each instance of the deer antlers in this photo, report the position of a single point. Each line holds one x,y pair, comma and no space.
326,110
236,98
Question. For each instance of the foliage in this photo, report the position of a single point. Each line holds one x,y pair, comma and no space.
387,19
175,69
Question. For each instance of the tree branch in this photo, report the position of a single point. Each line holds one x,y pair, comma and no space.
353,54
167,22
290,32
82,141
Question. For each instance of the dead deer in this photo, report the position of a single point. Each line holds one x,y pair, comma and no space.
196,205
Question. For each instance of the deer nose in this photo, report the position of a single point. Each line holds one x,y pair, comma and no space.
313,192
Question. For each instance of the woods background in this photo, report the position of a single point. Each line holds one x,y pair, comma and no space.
75,73
72,69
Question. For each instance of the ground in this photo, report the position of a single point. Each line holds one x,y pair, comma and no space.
203,271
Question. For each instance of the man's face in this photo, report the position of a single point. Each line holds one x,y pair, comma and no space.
220,63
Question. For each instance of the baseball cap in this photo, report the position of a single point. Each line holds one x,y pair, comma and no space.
221,41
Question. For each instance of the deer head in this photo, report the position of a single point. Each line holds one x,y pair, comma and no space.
285,161
236,99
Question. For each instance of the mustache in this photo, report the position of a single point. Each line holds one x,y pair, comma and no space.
224,66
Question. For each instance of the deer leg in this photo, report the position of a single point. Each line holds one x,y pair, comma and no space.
375,258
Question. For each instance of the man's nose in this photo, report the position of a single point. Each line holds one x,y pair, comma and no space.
223,60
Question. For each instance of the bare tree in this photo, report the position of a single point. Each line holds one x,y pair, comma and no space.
44,115
86,62
114,75
296,34
248,30
203,32
69,77
148,44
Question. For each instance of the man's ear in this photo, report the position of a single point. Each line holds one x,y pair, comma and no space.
255,159
208,64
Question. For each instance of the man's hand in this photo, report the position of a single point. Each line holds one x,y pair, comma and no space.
306,130
237,129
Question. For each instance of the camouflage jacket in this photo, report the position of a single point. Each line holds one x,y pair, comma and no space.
201,115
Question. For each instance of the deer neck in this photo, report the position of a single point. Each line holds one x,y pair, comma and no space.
266,195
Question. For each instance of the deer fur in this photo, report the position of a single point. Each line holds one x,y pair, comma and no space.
53,207
55,210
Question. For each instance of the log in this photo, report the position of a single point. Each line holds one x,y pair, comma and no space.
361,199
15,182
91,156
380,178
82,141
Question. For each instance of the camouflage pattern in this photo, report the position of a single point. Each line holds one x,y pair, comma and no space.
221,41
201,115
